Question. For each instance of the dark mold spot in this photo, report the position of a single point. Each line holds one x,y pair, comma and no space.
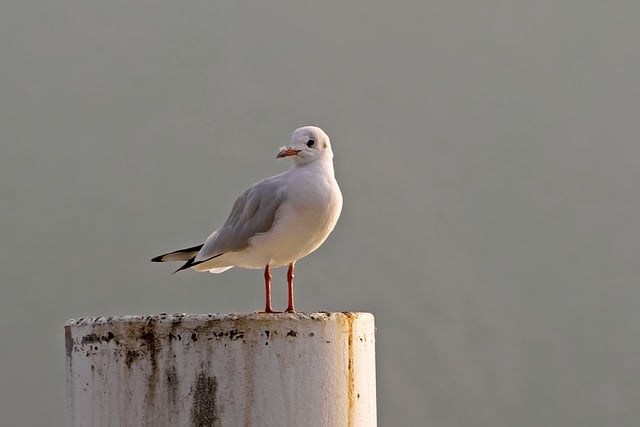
267,333
153,349
311,334
194,337
233,334
89,339
131,357
148,337
292,333
95,338
172,384
204,412
150,340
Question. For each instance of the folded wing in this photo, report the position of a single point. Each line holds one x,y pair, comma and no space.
254,212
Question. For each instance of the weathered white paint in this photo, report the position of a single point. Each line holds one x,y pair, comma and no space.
300,369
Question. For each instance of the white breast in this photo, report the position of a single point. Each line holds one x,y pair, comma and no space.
304,221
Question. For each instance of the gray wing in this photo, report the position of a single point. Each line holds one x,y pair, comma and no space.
252,213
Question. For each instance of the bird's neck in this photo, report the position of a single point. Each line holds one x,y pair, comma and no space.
323,164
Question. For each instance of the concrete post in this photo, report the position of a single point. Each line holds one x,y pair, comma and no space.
280,370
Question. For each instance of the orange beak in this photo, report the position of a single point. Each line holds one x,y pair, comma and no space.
287,152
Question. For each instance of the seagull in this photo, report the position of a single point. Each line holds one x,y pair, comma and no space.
276,221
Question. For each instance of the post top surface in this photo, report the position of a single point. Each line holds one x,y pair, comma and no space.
185,317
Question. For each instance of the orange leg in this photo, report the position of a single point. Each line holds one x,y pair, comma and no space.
290,277
267,288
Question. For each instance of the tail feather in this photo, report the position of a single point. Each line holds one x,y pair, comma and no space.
191,262
188,255
179,255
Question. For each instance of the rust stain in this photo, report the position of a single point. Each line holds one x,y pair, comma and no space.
68,342
350,372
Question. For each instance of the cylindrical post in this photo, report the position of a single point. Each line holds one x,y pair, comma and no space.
291,369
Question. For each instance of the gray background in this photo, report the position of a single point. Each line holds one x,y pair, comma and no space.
487,150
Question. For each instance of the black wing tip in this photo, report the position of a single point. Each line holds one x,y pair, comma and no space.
192,263
186,265
160,258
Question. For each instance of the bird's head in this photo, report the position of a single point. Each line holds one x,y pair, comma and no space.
308,143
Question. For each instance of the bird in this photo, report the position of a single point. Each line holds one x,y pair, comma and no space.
276,221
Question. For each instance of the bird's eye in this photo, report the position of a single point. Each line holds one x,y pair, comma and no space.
310,143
